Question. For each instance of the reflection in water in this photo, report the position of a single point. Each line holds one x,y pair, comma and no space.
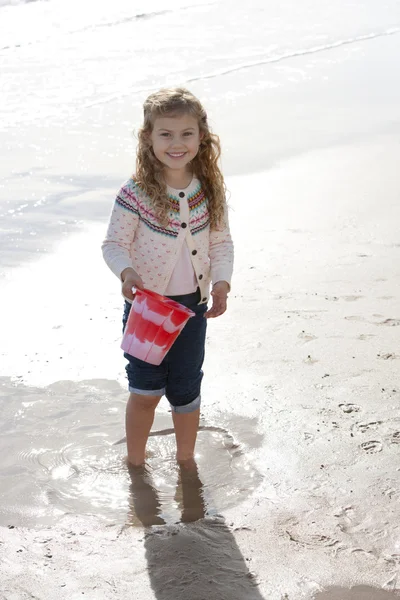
190,494
197,557
145,503
181,496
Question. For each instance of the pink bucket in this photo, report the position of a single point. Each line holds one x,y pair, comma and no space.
153,325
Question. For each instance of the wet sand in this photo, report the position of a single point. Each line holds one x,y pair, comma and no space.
297,494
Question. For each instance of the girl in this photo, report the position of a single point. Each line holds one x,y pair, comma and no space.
169,233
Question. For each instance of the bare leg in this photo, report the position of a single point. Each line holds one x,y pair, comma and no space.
139,419
186,426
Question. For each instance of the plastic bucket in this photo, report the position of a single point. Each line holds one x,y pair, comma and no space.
153,325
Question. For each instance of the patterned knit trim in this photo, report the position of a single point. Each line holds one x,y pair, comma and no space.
174,204
195,199
135,204
200,227
147,216
126,205
158,228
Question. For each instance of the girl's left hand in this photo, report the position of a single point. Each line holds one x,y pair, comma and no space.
219,299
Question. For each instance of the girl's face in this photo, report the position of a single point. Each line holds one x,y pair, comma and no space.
176,140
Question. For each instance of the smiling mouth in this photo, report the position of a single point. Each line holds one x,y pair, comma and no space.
176,154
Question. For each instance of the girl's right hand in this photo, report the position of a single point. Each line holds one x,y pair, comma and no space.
130,279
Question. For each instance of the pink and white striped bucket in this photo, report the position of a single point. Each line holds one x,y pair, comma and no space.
153,325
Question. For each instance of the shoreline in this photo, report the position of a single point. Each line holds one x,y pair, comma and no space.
307,103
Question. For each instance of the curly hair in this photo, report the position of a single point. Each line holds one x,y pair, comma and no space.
149,170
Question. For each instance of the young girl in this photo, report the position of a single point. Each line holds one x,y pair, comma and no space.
169,233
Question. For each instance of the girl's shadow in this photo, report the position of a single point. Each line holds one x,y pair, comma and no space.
197,558
359,592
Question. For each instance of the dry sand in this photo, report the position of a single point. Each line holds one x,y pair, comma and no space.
301,373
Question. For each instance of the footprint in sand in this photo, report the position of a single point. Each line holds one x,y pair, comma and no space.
393,559
306,337
395,439
352,298
307,539
390,322
349,408
355,318
363,427
372,447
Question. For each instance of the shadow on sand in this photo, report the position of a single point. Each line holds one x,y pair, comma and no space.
197,558
359,592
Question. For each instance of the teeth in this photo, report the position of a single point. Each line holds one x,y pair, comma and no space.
176,154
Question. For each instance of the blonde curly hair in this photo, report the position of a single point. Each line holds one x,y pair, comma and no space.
149,170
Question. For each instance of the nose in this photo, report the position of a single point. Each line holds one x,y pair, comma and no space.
176,142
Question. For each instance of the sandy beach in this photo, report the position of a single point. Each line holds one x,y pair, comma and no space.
297,495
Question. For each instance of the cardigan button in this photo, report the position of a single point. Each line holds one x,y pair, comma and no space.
204,300
181,195
183,225
200,276
194,252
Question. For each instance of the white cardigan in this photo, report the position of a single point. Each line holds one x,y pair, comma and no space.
136,239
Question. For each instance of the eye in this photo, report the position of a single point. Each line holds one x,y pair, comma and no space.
164,134
188,133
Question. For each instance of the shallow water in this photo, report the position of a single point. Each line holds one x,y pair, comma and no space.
57,58
57,460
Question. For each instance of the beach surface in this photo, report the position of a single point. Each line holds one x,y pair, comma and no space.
297,494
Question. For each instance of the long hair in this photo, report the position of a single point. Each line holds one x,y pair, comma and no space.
149,170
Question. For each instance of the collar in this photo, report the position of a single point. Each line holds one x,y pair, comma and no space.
193,185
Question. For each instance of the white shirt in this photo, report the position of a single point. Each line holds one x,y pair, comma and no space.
183,278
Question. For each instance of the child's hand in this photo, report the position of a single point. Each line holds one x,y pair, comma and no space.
130,279
219,299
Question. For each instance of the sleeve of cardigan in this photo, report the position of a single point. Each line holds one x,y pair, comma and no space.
122,225
221,252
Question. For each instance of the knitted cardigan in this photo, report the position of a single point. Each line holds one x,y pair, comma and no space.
136,239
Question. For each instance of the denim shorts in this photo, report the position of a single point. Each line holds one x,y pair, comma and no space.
179,375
